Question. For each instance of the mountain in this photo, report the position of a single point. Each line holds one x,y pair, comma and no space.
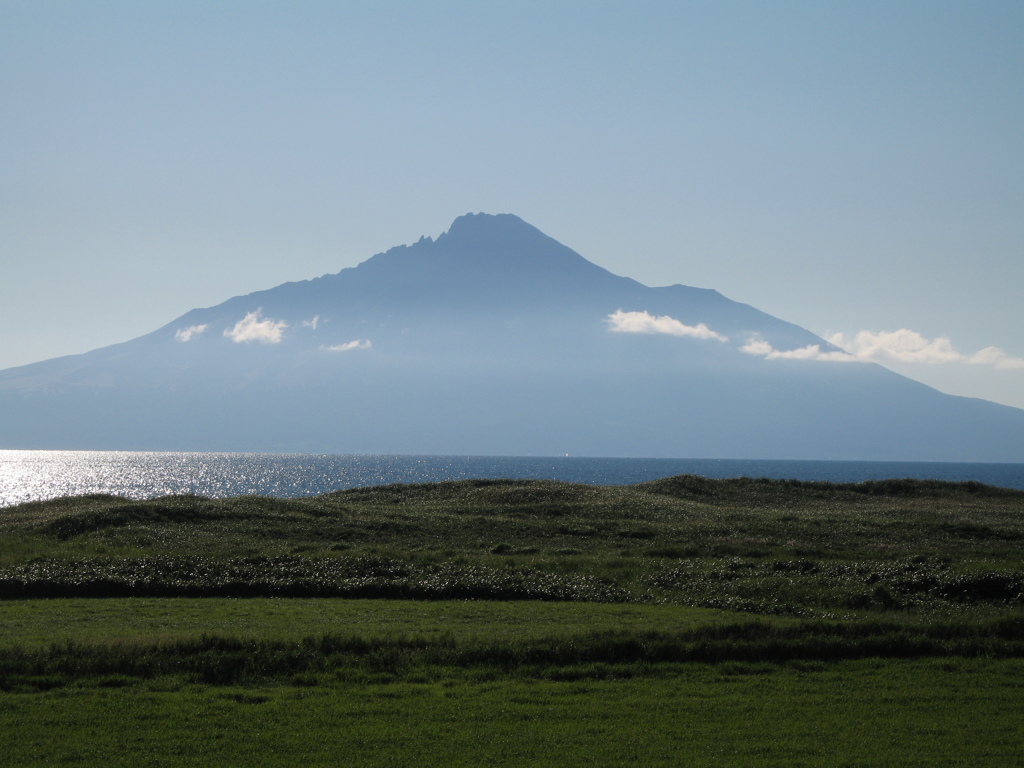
492,339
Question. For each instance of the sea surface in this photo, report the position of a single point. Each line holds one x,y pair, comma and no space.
38,475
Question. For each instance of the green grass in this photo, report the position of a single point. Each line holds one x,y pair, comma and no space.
38,624
684,621
866,713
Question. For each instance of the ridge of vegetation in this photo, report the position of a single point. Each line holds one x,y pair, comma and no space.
918,548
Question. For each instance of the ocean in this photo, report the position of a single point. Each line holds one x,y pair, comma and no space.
38,475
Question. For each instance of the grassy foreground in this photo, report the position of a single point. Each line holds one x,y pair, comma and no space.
866,713
684,621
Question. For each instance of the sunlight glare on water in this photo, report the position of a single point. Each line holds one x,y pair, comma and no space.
37,475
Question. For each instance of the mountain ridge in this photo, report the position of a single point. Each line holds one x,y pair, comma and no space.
492,338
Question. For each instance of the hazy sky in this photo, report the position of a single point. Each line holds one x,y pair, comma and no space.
847,166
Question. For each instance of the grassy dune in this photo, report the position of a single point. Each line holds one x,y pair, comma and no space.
760,546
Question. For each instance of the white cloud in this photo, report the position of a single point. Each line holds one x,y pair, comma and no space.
997,357
810,352
252,328
644,322
311,323
357,344
902,346
186,334
906,346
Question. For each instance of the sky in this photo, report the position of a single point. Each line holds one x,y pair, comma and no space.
856,168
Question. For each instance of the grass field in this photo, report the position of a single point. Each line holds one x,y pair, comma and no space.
865,713
685,621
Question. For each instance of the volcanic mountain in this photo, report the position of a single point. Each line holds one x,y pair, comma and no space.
492,339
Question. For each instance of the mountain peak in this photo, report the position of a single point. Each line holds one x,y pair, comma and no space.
501,246
470,222
476,227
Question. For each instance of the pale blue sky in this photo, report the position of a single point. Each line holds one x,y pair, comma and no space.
853,166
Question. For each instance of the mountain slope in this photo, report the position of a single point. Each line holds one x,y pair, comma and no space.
493,339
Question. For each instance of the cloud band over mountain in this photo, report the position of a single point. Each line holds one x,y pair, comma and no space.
907,346
349,345
252,328
763,349
644,322
186,334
